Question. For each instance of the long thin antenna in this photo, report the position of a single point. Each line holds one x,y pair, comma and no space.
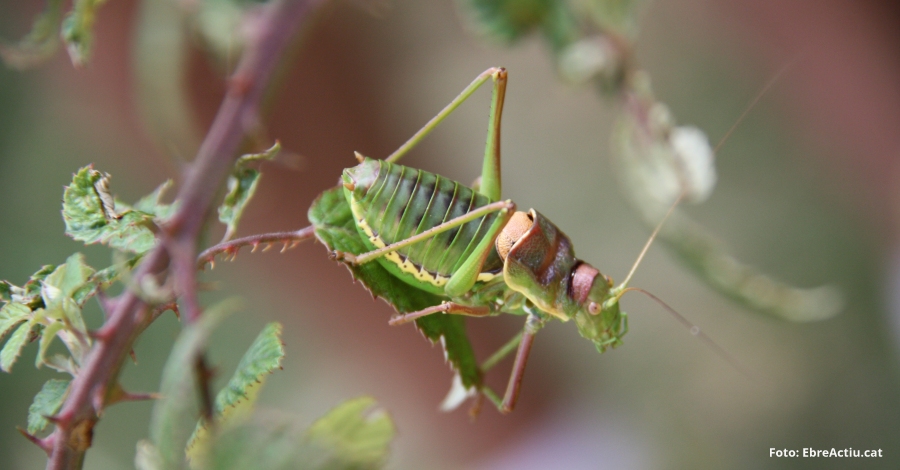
765,89
695,330
762,92
653,235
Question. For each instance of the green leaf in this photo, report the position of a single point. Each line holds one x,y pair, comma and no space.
63,364
510,20
30,293
217,23
77,30
14,346
356,434
331,216
241,186
92,217
175,415
57,291
11,315
277,446
66,279
615,15
6,291
163,100
147,457
353,435
47,336
46,403
104,278
39,44
152,203
235,402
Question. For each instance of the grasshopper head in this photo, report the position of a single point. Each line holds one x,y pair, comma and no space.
599,318
539,262
361,177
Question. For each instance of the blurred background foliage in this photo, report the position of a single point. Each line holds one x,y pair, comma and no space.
806,191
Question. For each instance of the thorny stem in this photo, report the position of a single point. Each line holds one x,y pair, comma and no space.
230,248
237,115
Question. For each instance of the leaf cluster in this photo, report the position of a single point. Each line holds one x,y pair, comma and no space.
74,28
217,23
49,306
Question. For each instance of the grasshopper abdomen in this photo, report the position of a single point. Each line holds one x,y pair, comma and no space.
392,202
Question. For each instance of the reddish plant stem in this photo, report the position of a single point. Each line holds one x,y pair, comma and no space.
130,315
230,248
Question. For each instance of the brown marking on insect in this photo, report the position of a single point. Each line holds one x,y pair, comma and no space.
518,225
582,280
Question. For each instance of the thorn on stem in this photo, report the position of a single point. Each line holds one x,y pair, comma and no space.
133,356
120,395
239,84
141,396
105,333
46,443
106,303
55,419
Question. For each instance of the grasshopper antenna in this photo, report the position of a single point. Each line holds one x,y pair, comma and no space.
762,92
650,240
623,287
695,330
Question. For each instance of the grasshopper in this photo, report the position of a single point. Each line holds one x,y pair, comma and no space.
476,252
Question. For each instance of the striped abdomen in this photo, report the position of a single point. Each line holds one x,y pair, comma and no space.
392,202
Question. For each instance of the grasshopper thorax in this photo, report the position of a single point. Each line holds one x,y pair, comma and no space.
540,263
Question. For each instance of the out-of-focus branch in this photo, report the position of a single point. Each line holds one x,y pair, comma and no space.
237,115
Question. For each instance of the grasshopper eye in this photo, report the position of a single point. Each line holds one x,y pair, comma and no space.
594,308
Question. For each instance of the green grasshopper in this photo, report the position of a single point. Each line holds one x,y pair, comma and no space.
475,252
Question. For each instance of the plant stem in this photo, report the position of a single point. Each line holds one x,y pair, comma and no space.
231,247
237,115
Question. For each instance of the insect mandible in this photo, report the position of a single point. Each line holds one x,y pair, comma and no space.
476,251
